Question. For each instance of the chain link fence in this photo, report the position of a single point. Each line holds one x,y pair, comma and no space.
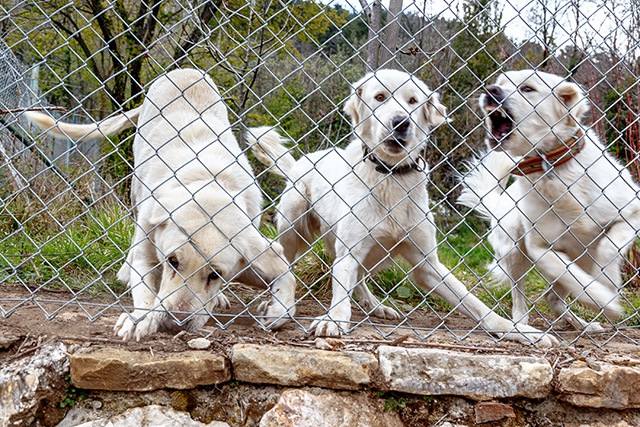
71,207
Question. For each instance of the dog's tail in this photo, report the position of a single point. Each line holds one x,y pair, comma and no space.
485,182
268,147
102,129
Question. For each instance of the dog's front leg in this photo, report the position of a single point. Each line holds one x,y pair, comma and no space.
345,279
142,321
429,273
269,268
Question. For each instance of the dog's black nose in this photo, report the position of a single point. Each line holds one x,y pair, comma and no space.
400,124
494,93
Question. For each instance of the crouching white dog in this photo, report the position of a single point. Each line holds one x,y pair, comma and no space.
197,208
573,210
369,203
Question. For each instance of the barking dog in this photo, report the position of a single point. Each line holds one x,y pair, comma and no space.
369,203
573,209
197,209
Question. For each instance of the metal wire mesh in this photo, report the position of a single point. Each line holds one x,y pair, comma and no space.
74,209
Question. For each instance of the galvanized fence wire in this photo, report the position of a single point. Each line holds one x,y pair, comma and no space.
70,221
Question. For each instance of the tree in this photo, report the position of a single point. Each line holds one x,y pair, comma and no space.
543,16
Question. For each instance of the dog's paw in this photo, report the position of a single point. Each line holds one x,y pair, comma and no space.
221,302
325,327
593,327
127,329
529,335
273,314
385,312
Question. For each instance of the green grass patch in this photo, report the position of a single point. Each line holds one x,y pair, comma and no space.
85,253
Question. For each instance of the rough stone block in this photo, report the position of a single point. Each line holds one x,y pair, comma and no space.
346,370
492,411
151,416
480,377
121,370
302,408
26,383
610,386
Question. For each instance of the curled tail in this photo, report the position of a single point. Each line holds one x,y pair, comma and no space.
102,129
485,182
268,147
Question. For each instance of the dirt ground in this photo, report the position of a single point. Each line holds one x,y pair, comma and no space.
89,322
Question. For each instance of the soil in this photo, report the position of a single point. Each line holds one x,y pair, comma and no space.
31,318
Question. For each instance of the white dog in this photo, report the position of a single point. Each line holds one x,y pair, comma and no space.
573,209
197,209
369,203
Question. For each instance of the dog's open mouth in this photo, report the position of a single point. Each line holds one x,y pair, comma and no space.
501,123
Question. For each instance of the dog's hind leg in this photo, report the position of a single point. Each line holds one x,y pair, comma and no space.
512,267
297,225
608,254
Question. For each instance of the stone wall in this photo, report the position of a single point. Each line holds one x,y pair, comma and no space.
277,385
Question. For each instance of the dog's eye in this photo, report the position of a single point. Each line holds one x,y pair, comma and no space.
413,101
527,89
380,97
213,276
173,262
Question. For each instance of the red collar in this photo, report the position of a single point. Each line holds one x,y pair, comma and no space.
555,157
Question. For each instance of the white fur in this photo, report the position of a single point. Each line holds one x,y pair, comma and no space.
196,203
574,223
366,217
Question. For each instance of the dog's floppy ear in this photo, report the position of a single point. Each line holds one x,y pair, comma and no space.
154,215
573,99
352,106
435,112
260,264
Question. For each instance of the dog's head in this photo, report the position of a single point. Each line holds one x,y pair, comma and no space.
530,109
202,241
392,113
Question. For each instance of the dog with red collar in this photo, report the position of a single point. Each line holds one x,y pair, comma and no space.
572,210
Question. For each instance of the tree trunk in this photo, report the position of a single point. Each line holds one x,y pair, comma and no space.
387,56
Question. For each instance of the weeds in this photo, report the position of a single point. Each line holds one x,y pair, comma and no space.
65,254
81,250
73,396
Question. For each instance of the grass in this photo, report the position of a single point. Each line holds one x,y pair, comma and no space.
82,253
58,248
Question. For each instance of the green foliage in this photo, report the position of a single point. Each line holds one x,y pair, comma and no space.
91,244
397,402
73,396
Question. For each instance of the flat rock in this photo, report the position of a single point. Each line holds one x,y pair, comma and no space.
121,370
199,343
345,370
150,416
480,377
492,411
303,408
607,386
